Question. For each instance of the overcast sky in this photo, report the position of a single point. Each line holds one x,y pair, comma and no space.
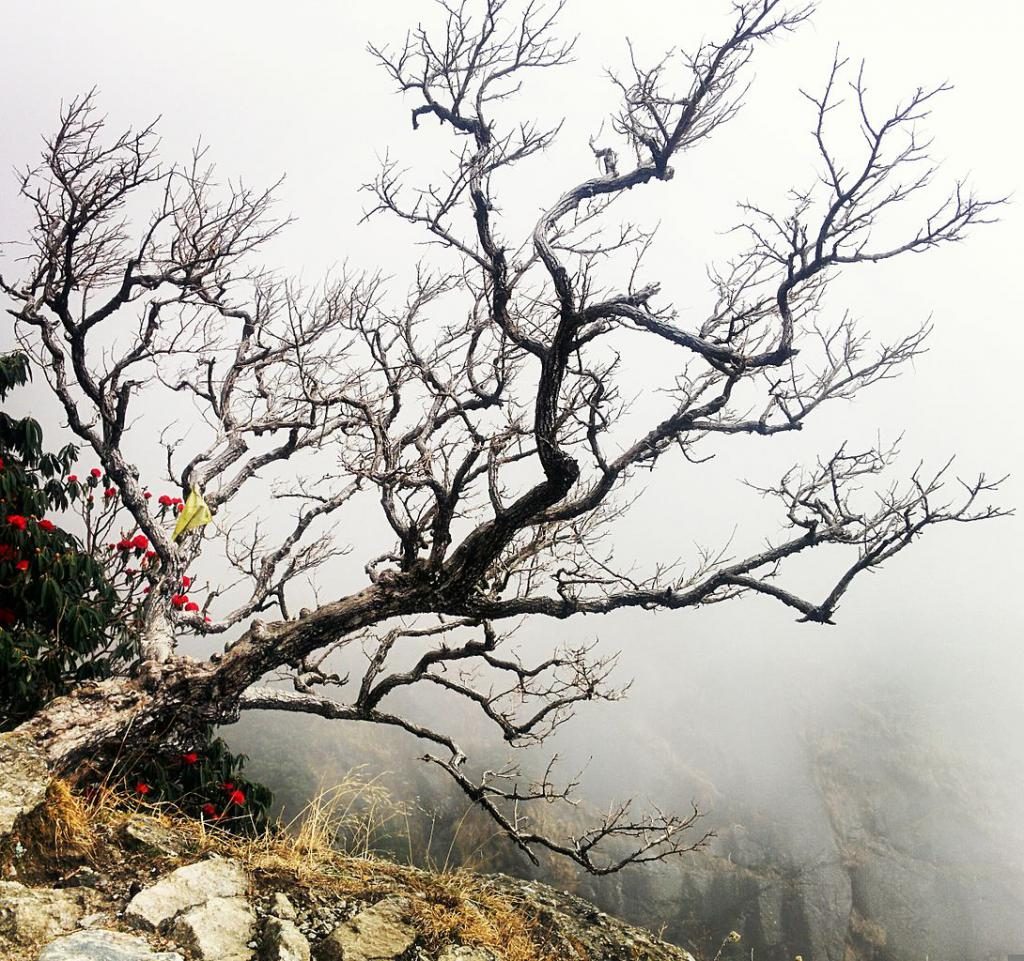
278,88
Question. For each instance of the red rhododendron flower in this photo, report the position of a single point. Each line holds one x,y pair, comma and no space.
228,786
45,525
7,552
179,600
149,555
96,472
164,500
191,607
110,492
147,494
206,617
210,810
145,590
22,565
140,542
142,788
186,581
236,797
16,520
1,463
124,544
7,617
189,757
72,478
179,507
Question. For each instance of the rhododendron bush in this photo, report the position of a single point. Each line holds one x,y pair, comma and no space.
62,619
207,782
70,599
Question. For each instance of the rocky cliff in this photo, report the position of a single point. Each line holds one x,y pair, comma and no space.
884,849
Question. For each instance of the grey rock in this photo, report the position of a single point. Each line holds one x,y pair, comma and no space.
101,945
379,933
283,941
218,930
150,836
464,953
281,907
25,779
31,915
185,888
568,925
83,877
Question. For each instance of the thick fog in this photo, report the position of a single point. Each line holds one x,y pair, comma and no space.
731,706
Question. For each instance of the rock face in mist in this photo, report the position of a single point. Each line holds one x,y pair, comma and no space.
891,858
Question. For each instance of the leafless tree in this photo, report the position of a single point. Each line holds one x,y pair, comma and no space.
492,436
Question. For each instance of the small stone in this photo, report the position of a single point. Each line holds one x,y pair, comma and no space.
185,888
99,945
281,907
147,836
283,941
218,930
83,877
464,953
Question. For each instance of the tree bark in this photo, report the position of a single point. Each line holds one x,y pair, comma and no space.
100,721
171,702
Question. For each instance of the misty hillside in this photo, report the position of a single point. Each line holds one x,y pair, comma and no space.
862,819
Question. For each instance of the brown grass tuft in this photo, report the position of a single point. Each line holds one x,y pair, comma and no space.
67,822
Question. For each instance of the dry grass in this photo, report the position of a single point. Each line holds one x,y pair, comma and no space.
470,913
353,816
60,830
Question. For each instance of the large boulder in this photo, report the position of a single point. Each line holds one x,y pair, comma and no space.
379,933
24,782
218,930
185,888
463,953
283,941
578,929
281,907
34,915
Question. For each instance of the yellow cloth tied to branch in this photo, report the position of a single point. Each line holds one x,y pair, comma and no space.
195,514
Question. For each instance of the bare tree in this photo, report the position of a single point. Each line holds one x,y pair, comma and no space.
494,440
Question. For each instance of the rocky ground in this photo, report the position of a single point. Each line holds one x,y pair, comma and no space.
101,882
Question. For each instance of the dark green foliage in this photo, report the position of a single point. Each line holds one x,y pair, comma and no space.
58,623
206,783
